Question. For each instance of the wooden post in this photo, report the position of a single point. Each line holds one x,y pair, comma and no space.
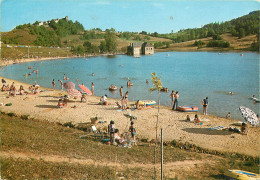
161,154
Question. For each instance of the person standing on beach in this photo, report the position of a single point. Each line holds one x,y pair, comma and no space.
132,131
121,92
176,97
172,98
111,131
61,84
53,84
92,88
205,104
126,98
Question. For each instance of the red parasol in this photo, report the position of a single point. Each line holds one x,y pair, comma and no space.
85,89
74,93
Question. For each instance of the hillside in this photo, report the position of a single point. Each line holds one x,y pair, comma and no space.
67,38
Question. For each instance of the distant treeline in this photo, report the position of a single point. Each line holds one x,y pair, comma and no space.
239,27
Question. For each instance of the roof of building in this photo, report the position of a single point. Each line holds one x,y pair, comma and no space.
146,44
137,44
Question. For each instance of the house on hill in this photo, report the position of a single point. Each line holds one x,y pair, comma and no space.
41,23
138,48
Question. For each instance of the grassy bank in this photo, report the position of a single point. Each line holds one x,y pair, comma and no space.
36,149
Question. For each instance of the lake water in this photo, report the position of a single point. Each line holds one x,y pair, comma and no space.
194,74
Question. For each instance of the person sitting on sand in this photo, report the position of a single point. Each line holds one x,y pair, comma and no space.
7,88
228,115
13,91
103,100
137,105
197,119
83,98
3,88
188,118
21,90
65,100
60,104
244,129
3,81
37,90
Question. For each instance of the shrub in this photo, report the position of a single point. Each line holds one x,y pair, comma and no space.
69,124
24,117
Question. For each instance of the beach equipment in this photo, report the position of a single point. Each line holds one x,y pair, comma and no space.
112,88
187,108
147,102
85,89
249,115
243,175
74,93
69,85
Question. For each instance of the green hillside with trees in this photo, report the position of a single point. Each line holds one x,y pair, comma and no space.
229,35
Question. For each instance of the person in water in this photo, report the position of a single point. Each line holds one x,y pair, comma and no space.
53,84
205,104
121,92
61,84
92,88
228,115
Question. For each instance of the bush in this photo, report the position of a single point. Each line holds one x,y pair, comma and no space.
223,44
24,117
69,124
11,114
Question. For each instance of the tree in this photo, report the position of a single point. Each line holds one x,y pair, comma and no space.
241,33
103,46
110,39
157,86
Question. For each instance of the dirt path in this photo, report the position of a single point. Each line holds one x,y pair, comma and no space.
171,167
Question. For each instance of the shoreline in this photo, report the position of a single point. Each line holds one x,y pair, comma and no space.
18,61
44,107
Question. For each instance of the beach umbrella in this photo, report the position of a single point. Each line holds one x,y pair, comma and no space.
249,115
69,85
85,89
74,93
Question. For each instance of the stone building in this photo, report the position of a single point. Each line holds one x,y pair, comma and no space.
139,48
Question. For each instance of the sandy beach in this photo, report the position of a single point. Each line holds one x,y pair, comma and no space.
44,107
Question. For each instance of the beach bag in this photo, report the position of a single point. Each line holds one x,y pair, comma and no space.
8,104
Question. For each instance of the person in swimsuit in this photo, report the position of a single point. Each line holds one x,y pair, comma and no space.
92,88
132,131
126,98
121,92
172,98
53,84
205,104
61,84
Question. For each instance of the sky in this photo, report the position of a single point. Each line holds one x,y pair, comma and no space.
162,16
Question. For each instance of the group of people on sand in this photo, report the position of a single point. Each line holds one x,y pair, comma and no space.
63,102
174,99
116,137
13,91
